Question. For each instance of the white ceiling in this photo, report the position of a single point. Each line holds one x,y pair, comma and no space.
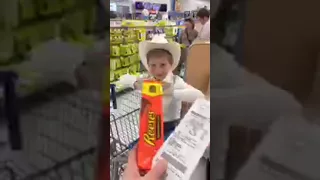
189,5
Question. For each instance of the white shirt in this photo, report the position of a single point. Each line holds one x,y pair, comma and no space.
204,33
182,92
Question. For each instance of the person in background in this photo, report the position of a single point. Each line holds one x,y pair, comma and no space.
203,17
189,34
145,14
158,16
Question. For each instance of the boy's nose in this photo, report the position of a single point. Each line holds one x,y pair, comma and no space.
158,72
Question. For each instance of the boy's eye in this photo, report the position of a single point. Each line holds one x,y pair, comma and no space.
163,65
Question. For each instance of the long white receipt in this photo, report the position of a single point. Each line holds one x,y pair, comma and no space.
184,148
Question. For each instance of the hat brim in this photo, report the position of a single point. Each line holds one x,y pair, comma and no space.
173,48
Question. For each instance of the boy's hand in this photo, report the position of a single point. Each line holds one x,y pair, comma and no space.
132,172
138,85
127,80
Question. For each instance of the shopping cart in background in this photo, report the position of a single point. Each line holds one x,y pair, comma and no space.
58,129
124,128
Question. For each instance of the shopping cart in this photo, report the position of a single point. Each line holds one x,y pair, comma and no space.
124,128
58,128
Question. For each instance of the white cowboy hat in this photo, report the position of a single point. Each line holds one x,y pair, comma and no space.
159,42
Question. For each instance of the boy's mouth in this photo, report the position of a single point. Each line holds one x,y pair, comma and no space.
159,77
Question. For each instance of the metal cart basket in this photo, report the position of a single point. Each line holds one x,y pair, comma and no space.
58,130
124,130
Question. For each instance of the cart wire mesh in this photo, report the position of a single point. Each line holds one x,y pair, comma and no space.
59,131
124,130
124,122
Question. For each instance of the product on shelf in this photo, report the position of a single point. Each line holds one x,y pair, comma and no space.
171,31
141,34
134,47
115,63
161,23
27,10
124,52
134,68
73,26
116,32
47,7
115,51
133,23
71,20
111,76
125,61
116,39
134,58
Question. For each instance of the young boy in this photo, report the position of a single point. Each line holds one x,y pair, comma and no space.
160,58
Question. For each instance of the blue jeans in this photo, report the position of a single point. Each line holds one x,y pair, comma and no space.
167,133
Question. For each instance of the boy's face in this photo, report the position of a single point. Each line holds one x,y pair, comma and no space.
159,67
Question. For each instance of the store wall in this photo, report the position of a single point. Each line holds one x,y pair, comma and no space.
190,5
128,3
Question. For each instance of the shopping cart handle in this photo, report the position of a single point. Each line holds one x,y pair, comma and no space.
8,80
113,96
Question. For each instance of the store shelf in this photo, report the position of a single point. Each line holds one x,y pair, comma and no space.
30,23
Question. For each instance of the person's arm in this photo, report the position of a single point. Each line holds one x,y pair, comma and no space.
186,92
195,35
128,81
184,38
